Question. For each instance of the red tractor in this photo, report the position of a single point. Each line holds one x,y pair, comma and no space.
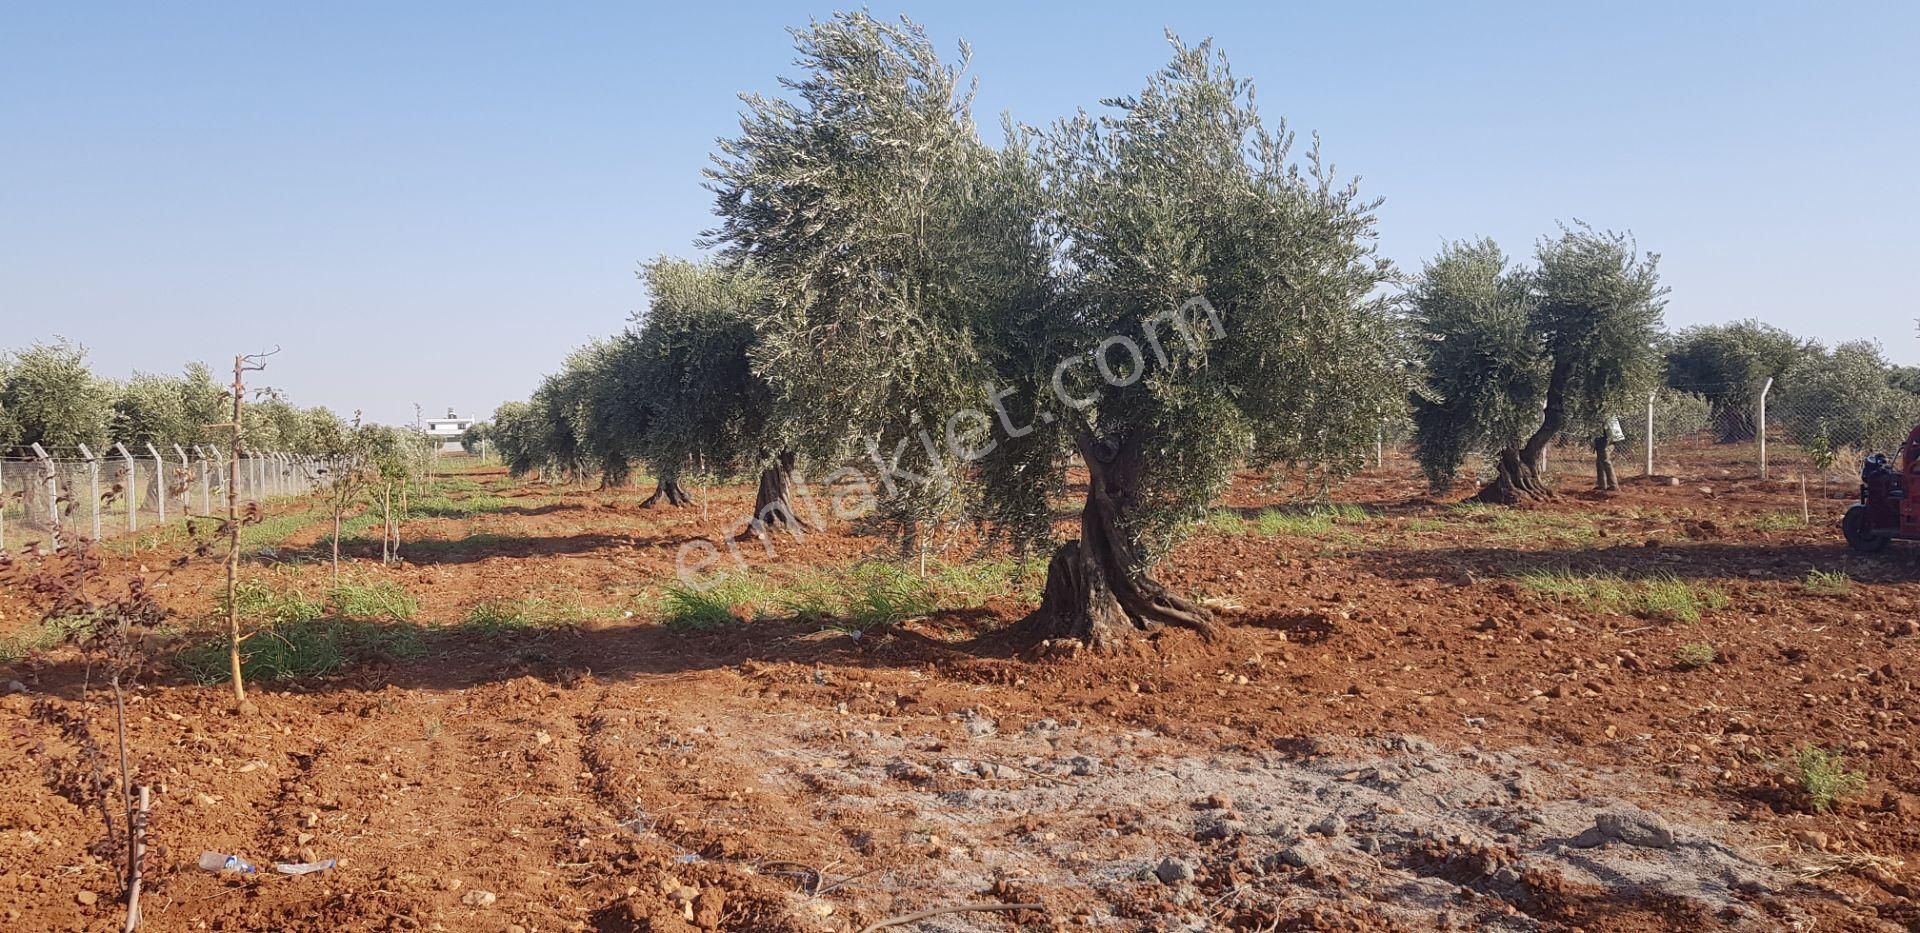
1889,505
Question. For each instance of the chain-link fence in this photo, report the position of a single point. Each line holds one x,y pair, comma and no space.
103,494
1816,430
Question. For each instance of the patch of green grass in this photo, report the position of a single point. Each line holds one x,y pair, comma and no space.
1226,522
299,650
1695,655
368,601
884,595
265,600
1663,596
726,601
445,506
1824,777
1272,522
527,614
1513,524
1418,525
1827,583
273,531
1776,521
1310,521
36,638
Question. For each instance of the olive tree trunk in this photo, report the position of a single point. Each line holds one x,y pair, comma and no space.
1516,476
667,489
1097,589
773,501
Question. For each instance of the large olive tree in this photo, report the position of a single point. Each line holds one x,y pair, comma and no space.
882,230
1549,350
1160,293
707,410
1472,314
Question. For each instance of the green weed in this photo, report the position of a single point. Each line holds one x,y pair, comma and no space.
372,601
1226,522
1695,655
1662,596
299,650
1827,583
1824,777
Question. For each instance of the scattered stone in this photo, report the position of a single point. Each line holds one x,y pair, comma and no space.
1219,802
542,737
1083,765
1812,839
1330,825
1635,828
86,898
1042,727
1303,855
1224,828
978,726
1174,870
478,898
14,686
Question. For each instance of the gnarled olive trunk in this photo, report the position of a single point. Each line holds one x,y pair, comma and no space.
616,472
667,489
1514,481
1517,472
773,502
1098,590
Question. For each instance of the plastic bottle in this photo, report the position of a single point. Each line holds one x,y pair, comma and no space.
220,861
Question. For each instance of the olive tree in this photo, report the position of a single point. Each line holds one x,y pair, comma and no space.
52,399
1485,370
706,409
1161,292
1220,299
1844,399
1575,342
869,209
1728,364
517,435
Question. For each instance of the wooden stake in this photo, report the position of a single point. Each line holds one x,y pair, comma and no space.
1806,514
138,831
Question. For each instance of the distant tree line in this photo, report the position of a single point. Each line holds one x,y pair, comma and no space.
50,395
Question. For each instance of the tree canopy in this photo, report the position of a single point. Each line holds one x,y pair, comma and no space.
1586,317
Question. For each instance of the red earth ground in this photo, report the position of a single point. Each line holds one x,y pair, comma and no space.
1422,672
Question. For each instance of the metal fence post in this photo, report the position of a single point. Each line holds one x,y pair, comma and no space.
1650,397
127,486
53,490
93,486
159,481
206,490
186,477
1763,425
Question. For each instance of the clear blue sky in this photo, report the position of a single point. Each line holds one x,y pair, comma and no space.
434,202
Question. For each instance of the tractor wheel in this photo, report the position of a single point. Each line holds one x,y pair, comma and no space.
1859,536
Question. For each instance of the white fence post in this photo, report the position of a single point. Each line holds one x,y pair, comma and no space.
53,491
186,479
93,486
206,489
1650,397
1763,425
127,487
159,481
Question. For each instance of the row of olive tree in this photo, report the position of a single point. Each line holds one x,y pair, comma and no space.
1514,356
50,396
1157,293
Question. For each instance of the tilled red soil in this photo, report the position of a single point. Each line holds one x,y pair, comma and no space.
1399,673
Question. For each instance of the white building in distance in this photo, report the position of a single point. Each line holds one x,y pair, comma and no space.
448,430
